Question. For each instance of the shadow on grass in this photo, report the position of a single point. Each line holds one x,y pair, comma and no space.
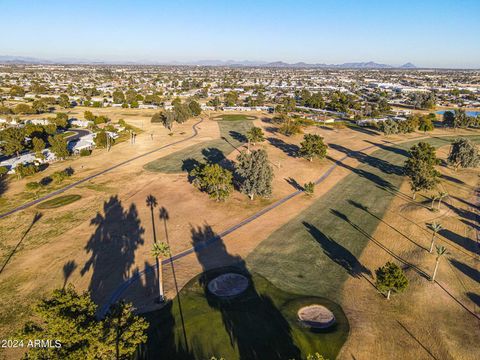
463,241
474,297
367,210
289,149
253,323
112,248
472,273
3,184
383,165
364,130
380,245
35,219
337,253
294,183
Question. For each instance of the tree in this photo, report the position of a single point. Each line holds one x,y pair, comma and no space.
214,180
122,332
61,120
88,115
312,146
160,250
420,167
12,140
64,101
23,109
436,228
195,108
69,319
58,146
391,277
441,251
118,97
463,153
449,119
17,90
101,139
254,135
425,124
33,187
309,188
389,127
255,173
38,146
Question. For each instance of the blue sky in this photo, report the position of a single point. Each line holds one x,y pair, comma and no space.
428,33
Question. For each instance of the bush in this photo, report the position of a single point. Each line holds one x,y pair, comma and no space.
3,170
85,152
24,170
289,129
309,188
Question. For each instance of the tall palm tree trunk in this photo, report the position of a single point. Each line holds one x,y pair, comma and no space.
160,279
432,243
435,270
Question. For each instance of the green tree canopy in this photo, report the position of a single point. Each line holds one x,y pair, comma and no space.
255,135
214,180
70,318
312,146
391,277
255,173
463,153
12,140
58,145
420,167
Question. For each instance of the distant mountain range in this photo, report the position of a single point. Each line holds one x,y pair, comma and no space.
6,59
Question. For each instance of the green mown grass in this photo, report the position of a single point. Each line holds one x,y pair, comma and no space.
235,117
59,201
259,324
315,252
232,134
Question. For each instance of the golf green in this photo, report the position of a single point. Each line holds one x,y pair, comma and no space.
261,323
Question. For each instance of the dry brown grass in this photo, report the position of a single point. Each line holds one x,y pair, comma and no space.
424,322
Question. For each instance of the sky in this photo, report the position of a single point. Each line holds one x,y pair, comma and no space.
427,33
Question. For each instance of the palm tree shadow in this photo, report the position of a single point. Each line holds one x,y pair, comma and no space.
249,318
68,269
112,248
35,219
337,252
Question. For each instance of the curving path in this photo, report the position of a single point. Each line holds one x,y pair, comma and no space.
76,183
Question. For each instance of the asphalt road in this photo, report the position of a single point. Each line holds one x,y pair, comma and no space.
78,134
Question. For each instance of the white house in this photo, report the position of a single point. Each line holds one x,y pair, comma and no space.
85,142
80,123
37,121
29,158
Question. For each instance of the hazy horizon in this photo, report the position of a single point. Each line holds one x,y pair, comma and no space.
436,34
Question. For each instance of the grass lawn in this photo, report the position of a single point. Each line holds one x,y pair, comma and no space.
315,252
232,135
59,201
235,117
259,324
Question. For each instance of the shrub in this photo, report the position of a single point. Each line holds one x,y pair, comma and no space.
309,188
85,152
3,170
24,170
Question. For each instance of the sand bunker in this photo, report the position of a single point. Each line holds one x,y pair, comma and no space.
227,285
316,316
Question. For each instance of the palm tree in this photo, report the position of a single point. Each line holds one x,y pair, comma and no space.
152,203
160,250
435,227
441,196
441,251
